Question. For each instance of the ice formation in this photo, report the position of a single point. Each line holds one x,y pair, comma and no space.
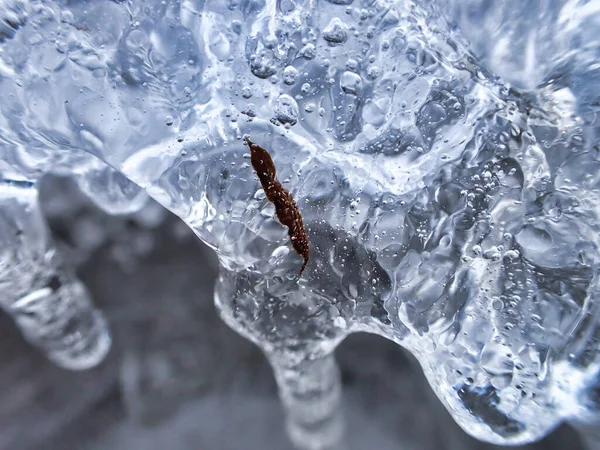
443,154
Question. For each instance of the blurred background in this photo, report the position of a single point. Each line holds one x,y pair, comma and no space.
176,377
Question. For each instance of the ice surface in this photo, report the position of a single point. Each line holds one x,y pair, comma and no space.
444,157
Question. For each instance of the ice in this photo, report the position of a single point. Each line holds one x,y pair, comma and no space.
50,306
444,157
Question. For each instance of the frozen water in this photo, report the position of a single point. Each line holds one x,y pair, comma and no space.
51,307
444,156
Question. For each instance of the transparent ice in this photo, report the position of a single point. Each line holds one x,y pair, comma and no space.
444,156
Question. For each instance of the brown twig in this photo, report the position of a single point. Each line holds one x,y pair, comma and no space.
285,207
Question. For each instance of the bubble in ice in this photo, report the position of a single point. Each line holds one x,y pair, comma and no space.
263,63
350,82
286,110
308,51
336,32
290,74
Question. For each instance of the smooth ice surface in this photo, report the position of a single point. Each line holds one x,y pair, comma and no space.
444,156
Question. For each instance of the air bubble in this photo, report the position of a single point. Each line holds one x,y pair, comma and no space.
351,83
336,33
373,72
309,51
278,255
290,74
286,110
246,92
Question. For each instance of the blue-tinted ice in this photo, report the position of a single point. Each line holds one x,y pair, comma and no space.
444,156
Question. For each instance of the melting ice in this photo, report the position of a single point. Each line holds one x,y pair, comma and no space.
444,156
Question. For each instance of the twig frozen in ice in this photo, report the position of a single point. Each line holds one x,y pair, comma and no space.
285,206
